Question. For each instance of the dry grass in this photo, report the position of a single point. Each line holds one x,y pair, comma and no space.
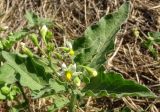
71,17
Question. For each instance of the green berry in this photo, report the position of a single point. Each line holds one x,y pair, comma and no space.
5,90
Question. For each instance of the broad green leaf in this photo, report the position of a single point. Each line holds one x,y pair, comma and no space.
26,78
7,74
43,63
113,84
38,70
98,39
59,102
53,87
57,87
45,92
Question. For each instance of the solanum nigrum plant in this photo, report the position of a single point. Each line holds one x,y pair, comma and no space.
66,73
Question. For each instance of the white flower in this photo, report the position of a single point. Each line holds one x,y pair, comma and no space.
69,72
64,66
68,44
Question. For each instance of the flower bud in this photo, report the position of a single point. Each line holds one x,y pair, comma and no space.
34,39
77,81
27,51
50,47
91,71
49,35
65,49
136,32
43,32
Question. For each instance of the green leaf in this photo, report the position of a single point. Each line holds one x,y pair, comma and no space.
155,37
113,84
12,39
98,39
7,74
1,45
45,92
26,78
34,20
154,34
53,87
38,70
43,63
2,97
13,109
57,87
59,102
153,40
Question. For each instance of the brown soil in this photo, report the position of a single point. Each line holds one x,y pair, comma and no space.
71,17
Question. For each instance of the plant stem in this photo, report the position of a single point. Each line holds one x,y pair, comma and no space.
72,103
24,96
51,64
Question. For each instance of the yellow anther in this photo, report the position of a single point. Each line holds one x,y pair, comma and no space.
68,75
71,52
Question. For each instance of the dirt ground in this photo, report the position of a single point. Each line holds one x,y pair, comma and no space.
71,17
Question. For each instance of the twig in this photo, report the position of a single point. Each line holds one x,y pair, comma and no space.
130,103
148,78
133,64
88,102
85,11
81,110
155,85
155,7
109,64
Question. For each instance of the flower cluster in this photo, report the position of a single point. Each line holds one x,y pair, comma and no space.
70,74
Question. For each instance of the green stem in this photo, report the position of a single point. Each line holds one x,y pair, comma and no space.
51,64
72,103
49,59
42,51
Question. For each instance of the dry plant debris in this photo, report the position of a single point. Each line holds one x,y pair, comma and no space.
71,17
